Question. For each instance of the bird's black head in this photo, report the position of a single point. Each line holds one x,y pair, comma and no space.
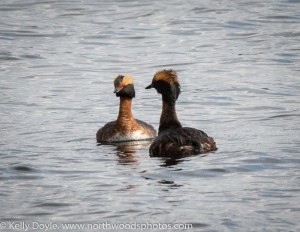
166,83
124,86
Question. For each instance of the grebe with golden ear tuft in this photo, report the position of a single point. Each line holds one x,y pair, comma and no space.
173,140
126,127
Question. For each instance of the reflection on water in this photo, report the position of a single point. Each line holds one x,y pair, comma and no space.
126,150
238,65
171,162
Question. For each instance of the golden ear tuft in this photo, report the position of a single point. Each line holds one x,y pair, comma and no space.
127,80
166,75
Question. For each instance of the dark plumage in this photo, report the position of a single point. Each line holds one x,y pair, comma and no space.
173,140
181,142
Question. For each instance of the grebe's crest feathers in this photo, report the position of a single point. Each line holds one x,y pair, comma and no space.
124,86
166,83
122,80
169,76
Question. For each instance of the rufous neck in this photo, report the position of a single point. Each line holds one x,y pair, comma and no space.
125,113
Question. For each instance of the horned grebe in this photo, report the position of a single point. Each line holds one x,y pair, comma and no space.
126,127
173,140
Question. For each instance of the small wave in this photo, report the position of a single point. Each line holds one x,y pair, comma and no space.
23,168
283,116
53,204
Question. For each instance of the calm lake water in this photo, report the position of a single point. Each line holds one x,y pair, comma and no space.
239,67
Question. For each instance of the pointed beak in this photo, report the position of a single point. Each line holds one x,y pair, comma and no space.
116,90
149,86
